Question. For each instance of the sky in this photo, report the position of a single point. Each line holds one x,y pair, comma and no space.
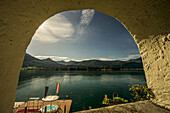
82,35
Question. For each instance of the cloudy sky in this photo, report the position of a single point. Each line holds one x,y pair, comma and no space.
82,35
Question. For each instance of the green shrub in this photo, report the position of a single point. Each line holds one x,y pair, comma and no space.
140,92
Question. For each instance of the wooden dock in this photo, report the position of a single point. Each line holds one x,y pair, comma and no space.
64,105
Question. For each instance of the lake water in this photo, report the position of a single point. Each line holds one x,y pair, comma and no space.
83,87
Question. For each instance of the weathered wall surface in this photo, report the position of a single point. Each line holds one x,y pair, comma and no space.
136,107
147,21
155,52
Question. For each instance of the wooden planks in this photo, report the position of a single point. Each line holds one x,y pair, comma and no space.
64,105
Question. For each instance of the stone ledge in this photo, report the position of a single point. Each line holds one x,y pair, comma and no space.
135,107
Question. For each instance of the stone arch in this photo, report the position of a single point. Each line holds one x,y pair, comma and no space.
146,20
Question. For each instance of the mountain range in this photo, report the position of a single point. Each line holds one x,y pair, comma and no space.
30,61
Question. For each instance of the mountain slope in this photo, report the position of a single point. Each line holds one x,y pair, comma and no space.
99,63
30,61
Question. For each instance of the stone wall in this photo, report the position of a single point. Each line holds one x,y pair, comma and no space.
156,57
146,20
135,107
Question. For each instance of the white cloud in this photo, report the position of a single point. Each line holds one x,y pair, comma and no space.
131,57
55,58
72,60
54,29
79,60
67,59
86,18
106,59
58,58
58,27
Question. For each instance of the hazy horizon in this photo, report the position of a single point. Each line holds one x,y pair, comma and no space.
43,58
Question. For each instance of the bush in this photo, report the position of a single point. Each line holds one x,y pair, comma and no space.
140,92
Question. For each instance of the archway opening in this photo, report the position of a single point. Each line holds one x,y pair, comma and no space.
97,47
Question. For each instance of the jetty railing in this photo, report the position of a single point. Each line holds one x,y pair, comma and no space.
34,106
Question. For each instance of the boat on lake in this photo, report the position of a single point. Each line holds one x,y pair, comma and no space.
116,100
51,97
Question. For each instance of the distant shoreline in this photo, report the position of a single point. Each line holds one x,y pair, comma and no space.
82,69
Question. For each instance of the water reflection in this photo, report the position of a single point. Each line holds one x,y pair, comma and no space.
83,87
